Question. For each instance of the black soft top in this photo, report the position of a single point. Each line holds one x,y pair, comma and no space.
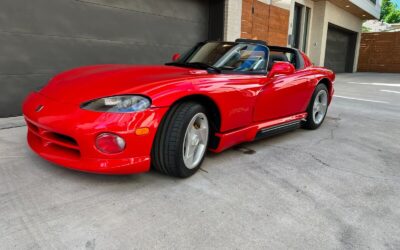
260,42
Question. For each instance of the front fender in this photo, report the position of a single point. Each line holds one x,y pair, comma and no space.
235,102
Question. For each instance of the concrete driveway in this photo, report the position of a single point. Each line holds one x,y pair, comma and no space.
334,188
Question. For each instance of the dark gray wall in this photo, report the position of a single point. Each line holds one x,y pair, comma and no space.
39,38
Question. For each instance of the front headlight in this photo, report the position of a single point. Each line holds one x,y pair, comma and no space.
118,104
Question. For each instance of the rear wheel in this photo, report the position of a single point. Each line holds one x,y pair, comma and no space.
181,140
317,108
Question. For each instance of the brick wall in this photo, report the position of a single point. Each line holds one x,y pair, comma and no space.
267,22
379,52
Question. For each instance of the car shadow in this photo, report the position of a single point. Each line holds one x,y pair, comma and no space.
250,148
76,175
247,148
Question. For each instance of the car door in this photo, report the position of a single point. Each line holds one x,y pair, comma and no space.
282,96
235,95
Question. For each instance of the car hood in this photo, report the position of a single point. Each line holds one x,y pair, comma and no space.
92,82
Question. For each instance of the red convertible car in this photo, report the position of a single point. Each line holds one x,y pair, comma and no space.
123,119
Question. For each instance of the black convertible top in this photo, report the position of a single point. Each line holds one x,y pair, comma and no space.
241,40
298,60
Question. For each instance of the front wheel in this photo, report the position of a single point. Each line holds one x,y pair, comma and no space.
181,140
317,108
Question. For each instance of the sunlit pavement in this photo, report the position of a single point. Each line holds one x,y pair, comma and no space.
334,188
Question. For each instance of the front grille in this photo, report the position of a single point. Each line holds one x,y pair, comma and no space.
57,141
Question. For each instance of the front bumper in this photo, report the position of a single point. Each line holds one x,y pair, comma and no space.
64,134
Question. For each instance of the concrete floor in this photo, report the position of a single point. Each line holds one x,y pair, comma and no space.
334,188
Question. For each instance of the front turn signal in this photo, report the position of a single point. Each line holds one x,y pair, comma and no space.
142,131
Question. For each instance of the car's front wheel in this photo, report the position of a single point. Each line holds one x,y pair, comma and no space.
181,140
317,108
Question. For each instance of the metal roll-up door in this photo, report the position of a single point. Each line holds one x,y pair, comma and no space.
43,37
340,49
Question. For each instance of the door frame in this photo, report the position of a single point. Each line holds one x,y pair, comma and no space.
301,21
216,20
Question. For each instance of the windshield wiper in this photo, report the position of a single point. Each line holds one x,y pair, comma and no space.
204,66
194,65
176,64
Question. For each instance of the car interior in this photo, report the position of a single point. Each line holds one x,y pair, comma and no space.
244,56
283,54
256,61
248,58
276,54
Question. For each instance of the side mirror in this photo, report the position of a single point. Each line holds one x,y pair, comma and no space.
281,68
176,56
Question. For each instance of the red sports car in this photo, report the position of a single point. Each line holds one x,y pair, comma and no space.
123,119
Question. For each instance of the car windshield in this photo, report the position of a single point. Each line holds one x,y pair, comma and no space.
226,56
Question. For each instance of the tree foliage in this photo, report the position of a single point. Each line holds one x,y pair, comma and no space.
390,12
365,29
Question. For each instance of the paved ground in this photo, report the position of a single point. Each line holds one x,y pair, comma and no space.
334,188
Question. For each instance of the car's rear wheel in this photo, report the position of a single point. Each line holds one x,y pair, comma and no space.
317,108
181,140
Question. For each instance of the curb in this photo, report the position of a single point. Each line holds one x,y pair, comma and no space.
12,122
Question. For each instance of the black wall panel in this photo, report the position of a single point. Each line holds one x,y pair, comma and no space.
43,37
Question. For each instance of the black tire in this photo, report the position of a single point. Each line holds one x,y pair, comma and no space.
310,123
167,154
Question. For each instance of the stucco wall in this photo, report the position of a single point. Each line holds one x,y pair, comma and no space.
346,20
316,41
370,7
324,13
233,19
309,4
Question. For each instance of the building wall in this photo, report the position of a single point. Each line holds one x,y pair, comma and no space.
278,26
233,14
344,19
324,13
255,25
274,24
309,4
317,42
268,22
367,5
41,38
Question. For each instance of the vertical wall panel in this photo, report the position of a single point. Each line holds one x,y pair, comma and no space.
265,22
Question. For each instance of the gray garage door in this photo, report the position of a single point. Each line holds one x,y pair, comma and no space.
340,47
42,37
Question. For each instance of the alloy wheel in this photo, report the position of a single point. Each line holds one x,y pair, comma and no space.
195,141
320,106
